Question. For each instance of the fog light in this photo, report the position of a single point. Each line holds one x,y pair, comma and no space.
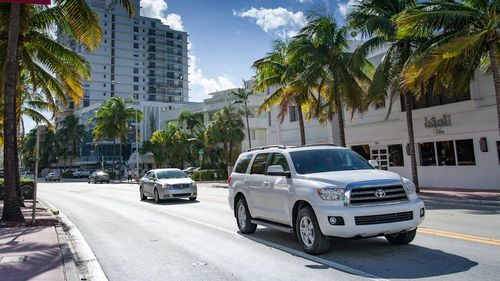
336,220
422,212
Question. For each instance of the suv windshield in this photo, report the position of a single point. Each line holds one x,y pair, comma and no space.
170,175
327,160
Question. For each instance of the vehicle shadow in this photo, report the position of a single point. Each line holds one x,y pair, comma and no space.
173,201
374,256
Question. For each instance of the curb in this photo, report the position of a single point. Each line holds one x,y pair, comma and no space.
459,201
77,254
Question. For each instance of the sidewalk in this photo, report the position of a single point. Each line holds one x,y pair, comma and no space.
31,252
488,197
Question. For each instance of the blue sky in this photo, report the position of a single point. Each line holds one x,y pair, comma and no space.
227,36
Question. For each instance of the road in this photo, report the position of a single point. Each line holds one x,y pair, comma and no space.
183,240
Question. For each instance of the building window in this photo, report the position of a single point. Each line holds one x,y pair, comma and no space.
269,118
445,153
136,29
104,85
136,70
427,154
252,134
363,150
396,155
136,45
136,96
293,113
136,88
465,152
136,79
136,37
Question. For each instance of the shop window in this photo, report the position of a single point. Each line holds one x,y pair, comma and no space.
396,155
427,154
363,150
465,152
445,153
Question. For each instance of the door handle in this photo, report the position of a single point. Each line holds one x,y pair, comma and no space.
267,183
246,180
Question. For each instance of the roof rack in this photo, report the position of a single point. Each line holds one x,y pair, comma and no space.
319,144
280,146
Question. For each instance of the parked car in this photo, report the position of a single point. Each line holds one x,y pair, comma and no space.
81,173
322,191
167,183
99,176
28,175
53,176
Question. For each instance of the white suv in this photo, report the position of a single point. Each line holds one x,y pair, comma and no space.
322,191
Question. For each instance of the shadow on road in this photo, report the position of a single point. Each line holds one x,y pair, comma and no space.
375,256
469,208
171,201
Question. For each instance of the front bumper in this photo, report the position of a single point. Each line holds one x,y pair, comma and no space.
177,193
350,229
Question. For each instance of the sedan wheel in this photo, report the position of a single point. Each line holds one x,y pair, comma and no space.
157,196
143,197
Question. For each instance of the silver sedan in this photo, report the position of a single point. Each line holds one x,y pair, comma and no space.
166,184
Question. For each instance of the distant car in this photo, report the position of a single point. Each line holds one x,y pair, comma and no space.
27,175
167,183
100,176
189,171
53,177
81,173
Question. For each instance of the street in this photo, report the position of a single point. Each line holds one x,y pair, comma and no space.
183,240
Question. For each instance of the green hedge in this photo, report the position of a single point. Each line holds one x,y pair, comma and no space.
27,191
210,175
67,174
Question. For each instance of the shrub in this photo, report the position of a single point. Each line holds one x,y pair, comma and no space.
67,174
28,185
210,175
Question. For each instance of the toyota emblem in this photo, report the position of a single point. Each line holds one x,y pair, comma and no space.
380,193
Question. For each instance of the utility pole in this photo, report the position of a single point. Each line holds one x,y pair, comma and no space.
40,131
136,145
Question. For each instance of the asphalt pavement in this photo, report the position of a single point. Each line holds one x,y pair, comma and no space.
184,240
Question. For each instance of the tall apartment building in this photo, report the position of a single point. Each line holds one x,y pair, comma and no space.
139,58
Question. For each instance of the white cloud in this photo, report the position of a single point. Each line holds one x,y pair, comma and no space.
279,21
158,9
347,7
207,85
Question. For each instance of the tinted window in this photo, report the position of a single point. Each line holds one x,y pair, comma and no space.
280,159
242,164
170,175
465,152
327,160
396,155
259,164
445,153
427,154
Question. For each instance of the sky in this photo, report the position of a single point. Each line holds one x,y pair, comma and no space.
227,36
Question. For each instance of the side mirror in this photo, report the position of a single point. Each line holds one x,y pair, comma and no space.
277,170
374,163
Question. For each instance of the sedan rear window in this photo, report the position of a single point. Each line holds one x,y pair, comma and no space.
327,160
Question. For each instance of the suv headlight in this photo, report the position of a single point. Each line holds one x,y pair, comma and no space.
331,193
409,187
167,186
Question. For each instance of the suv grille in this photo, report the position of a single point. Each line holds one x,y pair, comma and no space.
377,195
385,218
181,186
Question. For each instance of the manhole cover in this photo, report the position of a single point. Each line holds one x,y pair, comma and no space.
199,263
12,259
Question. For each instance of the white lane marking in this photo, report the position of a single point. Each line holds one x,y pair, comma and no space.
294,252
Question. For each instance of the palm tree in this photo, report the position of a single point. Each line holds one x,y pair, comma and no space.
226,128
241,95
112,121
343,76
192,119
467,37
374,20
276,70
73,132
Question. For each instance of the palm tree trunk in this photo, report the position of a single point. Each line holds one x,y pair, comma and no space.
340,115
114,153
492,50
302,128
11,209
411,139
248,127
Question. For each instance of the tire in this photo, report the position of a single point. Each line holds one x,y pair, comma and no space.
107,181
401,238
309,234
142,194
243,217
192,198
157,197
